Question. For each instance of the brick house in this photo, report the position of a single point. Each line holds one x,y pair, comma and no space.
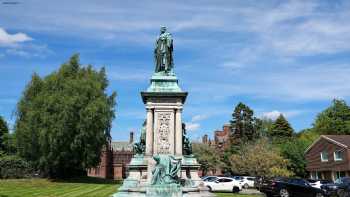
222,138
114,160
329,157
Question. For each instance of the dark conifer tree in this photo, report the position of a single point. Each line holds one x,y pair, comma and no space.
281,128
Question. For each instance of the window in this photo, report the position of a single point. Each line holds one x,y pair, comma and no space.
340,174
324,156
224,180
316,175
338,155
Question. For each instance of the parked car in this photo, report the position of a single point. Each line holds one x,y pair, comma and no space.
247,181
224,184
257,182
286,187
318,183
340,187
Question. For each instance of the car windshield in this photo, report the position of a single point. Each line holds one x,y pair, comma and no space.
210,179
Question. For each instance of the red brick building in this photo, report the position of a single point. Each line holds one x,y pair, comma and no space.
222,138
221,141
114,160
329,157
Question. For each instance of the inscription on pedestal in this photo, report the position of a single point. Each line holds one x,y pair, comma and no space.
163,133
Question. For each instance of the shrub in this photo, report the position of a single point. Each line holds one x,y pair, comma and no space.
14,167
259,159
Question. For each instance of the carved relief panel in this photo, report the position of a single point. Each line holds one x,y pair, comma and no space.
164,133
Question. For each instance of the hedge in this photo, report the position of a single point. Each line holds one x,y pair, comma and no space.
14,167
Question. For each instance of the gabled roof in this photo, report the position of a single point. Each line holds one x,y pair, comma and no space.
340,140
122,145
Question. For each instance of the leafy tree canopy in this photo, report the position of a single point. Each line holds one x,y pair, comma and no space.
293,150
334,120
208,157
259,159
64,119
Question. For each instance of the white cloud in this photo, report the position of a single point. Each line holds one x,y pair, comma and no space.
273,115
197,118
7,39
192,126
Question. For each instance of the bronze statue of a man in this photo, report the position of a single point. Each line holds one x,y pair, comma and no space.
163,53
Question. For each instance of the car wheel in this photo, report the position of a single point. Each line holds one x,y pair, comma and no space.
235,190
319,195
210,190
268,195
284,193
246,186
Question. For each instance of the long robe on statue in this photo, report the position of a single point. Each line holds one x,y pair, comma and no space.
165,172
163,53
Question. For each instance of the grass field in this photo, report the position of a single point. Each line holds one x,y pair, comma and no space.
46,188
74,188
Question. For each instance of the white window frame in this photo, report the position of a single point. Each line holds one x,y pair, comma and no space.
323,159
338,159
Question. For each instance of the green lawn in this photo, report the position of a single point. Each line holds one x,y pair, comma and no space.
87,187
45,188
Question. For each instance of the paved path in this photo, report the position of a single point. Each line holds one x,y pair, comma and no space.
250,191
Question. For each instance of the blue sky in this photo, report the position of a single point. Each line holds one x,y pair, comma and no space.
289,57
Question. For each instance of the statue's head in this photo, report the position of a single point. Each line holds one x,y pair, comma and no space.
162,29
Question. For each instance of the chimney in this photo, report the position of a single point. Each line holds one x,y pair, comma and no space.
131,137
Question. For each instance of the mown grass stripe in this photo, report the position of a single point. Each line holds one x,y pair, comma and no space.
46,188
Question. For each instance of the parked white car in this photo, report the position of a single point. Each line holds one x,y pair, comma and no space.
318,183
247,181
224,184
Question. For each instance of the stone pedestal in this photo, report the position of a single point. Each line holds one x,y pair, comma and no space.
164,102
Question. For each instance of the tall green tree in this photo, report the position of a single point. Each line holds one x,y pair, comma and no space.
244,125
281,129
64,119
334,120
294,150
4,130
